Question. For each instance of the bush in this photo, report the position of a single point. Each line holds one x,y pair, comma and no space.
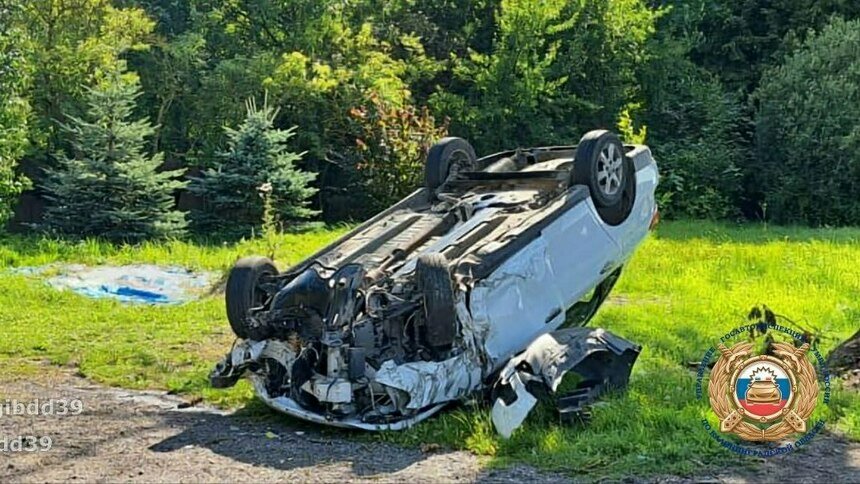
808,131
256,182
556,70
392,148
692,135
14,111
111,188
693,126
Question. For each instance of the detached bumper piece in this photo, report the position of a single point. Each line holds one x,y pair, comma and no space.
603,361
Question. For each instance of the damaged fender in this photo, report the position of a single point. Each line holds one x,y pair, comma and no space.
428,382
603,360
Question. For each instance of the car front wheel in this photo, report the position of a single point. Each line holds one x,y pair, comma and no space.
244,292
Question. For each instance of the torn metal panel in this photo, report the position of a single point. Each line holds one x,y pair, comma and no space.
595,354
290,407
517,299
249,351
528,294
428,382
603,360
508,417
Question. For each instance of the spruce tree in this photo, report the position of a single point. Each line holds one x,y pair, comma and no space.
255,180
110,187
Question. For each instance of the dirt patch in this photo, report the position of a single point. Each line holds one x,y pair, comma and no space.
135,436
844,361
144,437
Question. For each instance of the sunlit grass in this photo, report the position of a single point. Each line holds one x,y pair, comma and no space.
167,347
687,285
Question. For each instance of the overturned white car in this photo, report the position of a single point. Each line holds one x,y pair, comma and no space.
461,287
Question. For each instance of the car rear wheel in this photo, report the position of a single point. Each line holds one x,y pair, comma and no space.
244,292
602,165
448,157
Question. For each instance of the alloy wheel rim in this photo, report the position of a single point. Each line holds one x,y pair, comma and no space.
610,170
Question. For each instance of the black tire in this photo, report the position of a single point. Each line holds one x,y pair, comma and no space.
617,214
244,293
434,281
590,168
614,200
447,157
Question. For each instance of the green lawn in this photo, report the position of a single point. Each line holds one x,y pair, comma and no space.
689,284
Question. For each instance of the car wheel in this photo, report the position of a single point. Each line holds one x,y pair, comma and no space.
446,158
244,292
599,165
618,213
434,282
602,165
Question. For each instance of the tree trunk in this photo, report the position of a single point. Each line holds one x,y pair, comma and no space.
845,357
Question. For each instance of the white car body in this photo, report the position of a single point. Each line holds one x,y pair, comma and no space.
541,248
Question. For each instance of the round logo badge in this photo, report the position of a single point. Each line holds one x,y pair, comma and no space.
760,397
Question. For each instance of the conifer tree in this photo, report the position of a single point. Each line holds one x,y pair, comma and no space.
109,186
255,180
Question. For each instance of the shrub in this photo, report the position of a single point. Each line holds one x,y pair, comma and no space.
556,70
392,148
694,140
693,128
257,180
110,187
14,111
808,131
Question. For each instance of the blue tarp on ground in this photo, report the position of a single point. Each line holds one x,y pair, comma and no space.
147,284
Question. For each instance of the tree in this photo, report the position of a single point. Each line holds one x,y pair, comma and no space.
742,38
14,111
109,186
391,148
256,180
556,70
694,123
72,44
808,132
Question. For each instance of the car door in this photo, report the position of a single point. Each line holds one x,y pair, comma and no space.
530,292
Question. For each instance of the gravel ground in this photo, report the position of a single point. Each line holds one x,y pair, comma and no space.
145,437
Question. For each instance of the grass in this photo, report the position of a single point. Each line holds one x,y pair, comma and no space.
170,347
689,283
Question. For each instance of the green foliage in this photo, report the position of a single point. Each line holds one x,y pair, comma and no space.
71,44
742,38
694,128
556,70
14,111
256,183
109,186
393,144
501,73
808,164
